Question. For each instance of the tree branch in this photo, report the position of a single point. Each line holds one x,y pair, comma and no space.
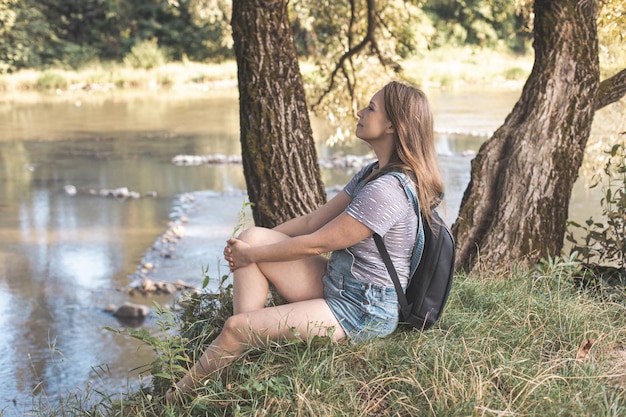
397,67
611,90
339,67
370,38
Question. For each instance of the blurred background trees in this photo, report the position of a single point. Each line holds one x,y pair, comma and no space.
73,33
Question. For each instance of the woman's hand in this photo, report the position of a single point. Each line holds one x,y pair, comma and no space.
235,254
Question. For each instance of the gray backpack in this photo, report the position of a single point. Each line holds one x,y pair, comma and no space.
429,286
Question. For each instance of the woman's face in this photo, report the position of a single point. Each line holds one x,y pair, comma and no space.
373,122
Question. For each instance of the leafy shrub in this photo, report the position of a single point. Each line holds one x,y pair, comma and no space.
515,73
77,56
145,55
201,320
603,251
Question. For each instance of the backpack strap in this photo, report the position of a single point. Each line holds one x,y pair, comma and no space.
418,248
366,173
405,308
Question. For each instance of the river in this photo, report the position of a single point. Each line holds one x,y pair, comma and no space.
64,256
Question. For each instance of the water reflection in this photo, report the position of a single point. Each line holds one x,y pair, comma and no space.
62,256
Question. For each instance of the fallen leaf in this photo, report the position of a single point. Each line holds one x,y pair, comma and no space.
583,350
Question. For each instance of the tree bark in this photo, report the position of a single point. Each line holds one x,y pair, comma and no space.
516,205
278,150
611,90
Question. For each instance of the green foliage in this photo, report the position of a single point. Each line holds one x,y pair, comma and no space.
204,313
78,56
73,33
25,35
170,359
326,30
604,242
145,55
241,218
7,16
201,320
611,34
198,30
51,80
480,22
76,33
515,73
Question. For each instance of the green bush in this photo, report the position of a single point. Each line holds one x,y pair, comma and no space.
51,80
77,56
145,55
603,250
515,73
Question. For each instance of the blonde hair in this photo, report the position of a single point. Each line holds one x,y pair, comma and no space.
409,112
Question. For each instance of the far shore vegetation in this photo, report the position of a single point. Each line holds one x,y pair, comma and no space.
448,68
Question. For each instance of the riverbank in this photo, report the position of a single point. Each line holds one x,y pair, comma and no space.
506,345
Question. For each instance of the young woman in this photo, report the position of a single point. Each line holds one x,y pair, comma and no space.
350,295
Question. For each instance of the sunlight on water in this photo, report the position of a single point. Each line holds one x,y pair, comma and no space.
88,267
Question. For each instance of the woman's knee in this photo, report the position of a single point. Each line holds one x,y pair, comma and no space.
260,236
236,329
239,334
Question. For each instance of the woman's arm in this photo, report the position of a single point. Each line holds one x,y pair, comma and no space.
313,221
341,232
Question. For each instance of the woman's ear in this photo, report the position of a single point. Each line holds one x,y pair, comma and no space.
390,129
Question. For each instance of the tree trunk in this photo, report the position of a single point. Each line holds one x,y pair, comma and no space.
278,151
516,205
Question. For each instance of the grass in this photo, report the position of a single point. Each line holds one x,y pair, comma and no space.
463,67
525,344
104,79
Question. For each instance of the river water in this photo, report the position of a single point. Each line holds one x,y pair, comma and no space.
65,256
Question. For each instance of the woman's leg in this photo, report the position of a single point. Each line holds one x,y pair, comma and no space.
296,280
299,282
256,328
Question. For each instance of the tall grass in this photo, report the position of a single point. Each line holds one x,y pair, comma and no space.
468,67
526,344
99,78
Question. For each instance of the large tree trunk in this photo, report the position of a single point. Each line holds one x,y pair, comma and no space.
516,205
278,151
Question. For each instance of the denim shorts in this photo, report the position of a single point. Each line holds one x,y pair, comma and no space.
365,311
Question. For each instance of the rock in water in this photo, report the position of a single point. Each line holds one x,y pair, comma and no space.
131,311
